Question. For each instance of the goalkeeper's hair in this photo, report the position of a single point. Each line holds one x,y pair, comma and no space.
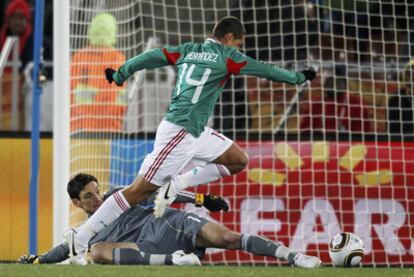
78,182
229,24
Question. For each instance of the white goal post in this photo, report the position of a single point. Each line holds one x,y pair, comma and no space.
61,115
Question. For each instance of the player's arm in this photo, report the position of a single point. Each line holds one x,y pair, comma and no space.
211,202
249,66
56,255
151,59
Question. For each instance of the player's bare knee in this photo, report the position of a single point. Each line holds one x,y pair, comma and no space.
244,160
240,163
231,240
98,255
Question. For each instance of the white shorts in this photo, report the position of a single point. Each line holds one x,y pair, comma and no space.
175,150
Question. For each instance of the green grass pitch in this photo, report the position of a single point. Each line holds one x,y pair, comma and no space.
216,271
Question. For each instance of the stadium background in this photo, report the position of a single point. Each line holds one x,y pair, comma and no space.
358,168
301,169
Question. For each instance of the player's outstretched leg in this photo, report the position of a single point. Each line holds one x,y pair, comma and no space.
232,161
265,247
306,261
262,246
219,236
127,253
77,258
165,197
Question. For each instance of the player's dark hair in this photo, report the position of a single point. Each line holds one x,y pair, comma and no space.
78,183
229,24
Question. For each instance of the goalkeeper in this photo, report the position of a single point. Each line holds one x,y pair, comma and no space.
84,193
137,237
183,137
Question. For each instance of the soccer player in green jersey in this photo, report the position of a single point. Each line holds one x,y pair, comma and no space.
183,138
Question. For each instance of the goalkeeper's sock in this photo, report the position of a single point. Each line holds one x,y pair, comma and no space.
132,256
200,175
110,210
264,247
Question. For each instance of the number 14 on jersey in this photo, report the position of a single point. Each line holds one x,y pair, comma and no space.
199,84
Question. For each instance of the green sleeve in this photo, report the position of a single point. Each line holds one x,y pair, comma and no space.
154,58
267,70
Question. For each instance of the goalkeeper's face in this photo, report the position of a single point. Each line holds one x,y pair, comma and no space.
90,198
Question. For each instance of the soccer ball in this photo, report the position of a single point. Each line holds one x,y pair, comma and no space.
346,249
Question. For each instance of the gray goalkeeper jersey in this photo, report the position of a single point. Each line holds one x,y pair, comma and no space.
176,230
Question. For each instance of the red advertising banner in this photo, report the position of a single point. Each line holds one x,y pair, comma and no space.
303,193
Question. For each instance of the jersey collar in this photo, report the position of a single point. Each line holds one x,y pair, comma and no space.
211,39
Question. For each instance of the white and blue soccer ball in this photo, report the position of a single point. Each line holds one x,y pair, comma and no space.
346,250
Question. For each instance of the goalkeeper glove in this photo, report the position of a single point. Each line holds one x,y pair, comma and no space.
29,259
211,202
109,73
310,74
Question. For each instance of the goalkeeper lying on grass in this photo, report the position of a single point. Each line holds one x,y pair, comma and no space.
137,237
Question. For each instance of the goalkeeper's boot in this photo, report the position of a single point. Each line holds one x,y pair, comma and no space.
306,261
180,258
165,197
76,251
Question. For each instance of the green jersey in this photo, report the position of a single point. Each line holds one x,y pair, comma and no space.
203,69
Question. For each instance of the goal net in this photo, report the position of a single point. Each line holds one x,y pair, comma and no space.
333,155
